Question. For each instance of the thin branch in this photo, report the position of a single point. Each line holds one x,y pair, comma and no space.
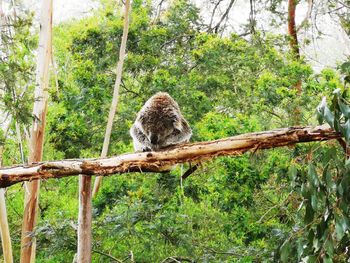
252,16
129,90
273,207
224,16
107,255
213,14
308,14
190,171
176,259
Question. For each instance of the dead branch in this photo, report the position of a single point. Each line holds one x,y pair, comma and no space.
163,160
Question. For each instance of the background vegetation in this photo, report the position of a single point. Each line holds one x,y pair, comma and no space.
288,204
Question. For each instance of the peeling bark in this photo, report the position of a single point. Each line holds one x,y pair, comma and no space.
163,160
31,198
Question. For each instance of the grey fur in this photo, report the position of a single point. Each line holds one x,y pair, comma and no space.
158,124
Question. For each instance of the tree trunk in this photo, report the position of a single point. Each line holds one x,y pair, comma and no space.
114,104
294,45
4,227
165,159
292,31
84,220
37,132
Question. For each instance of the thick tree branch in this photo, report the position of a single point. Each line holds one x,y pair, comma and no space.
163,160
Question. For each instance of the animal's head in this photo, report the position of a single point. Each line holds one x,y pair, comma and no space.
159,131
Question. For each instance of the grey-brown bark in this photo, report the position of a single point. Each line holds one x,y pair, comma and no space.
163,160
84,219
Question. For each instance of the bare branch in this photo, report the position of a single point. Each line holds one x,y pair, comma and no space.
213,14
107,255
308,14
165,159
224,16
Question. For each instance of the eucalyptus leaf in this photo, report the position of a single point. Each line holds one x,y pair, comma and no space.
309,213
327,259
328,116
311,259
320,110
313,176
345,109
346,131
329,246
339,230
285,252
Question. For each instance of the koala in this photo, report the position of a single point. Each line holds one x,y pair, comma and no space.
158,124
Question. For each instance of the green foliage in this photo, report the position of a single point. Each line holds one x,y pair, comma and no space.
345,69
16,67
321,230
231,209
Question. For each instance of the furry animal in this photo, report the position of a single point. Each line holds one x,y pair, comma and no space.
159,124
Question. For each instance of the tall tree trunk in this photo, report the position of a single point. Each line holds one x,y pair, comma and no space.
4,227
84,220
294,45
114,104
85,215
37,132
292,31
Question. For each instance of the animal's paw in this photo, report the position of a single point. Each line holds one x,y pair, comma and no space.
146,149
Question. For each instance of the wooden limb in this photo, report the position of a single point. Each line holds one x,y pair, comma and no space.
190,171
84,219
163,160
